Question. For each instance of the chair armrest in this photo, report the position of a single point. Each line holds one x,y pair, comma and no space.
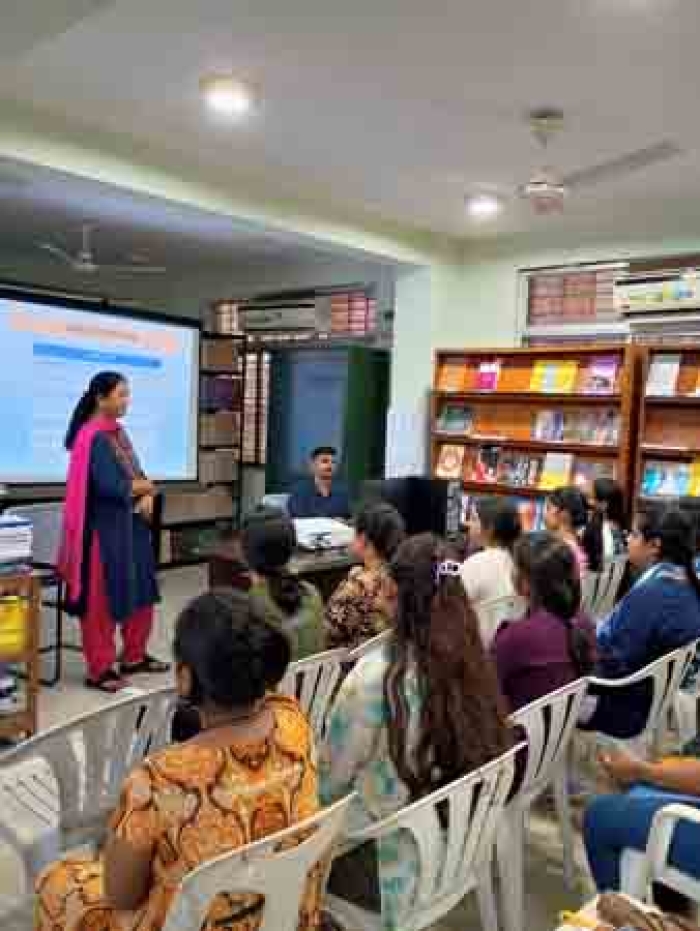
662,830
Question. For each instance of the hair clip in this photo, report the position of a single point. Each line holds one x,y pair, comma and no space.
448,567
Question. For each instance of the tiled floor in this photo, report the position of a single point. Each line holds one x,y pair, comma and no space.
545,891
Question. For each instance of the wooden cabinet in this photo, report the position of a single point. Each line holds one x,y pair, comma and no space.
19,646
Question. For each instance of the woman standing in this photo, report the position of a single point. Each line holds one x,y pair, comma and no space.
106,557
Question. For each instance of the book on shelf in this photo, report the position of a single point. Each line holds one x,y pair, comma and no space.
663,374
666,479
531,513
450,461
486,465
554,377
455,418
600,376
556,470
487,376
548,426
586,471
519,470
452,375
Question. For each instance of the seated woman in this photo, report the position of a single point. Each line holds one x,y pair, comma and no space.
553,644
363,605
604,536
565,515
660,613
268,540
615,822
249,773
494,525
412,716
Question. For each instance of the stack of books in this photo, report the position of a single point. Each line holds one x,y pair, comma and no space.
15,543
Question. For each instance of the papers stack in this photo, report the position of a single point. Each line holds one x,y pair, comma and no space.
322,533
15,541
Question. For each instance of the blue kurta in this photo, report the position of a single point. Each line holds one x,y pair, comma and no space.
125,539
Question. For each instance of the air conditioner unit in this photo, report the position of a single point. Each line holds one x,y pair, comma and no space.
658,293
281,318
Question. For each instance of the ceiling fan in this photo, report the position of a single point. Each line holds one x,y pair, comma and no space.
546,190
83,262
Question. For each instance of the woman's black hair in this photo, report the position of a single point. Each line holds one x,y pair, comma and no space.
383,527
101,385
675,534
611,500
500,517
234,655
268,540
571,500
549,566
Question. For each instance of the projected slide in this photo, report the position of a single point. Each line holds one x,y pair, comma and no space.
48,353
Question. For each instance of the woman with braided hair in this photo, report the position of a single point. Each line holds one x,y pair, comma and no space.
411,717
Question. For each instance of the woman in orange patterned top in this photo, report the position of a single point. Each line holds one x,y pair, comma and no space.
365,603
249,773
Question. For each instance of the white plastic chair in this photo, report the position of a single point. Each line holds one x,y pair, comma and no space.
87,760
314,681
454,833
369,646
29,824
491,614
599,589
685,705
666,675
275,867
549,724
639,870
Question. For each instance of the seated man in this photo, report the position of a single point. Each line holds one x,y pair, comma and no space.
319,495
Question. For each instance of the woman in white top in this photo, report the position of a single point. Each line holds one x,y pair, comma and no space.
494,525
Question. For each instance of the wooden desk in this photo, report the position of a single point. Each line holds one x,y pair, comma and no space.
325,569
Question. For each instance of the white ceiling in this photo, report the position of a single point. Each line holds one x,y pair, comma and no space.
395,107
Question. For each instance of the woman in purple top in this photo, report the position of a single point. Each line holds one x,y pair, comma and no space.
553,644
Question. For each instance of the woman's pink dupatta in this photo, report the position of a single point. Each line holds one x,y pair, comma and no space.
70,554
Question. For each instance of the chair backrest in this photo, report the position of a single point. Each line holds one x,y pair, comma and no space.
314,681
589,587
496,611
607,583
454,830
91,755
47,521
369,646
280,501
276,867
657,866
548,724
666,675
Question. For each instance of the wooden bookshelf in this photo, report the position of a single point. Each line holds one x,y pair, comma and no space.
194,519
669,425
20,597
521,406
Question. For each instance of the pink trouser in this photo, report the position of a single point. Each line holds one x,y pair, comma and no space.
98,626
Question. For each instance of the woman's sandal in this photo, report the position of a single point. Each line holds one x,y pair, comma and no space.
148,665
110,682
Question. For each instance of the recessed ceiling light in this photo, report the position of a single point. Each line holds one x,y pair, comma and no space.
483,206
227,96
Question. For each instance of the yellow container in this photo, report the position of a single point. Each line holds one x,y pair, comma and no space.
14,627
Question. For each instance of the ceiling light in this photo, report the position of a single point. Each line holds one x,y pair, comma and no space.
483,206
225,95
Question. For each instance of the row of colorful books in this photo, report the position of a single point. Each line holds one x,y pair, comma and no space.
671,479
531,510
600,427
546,376
663,375
490,463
